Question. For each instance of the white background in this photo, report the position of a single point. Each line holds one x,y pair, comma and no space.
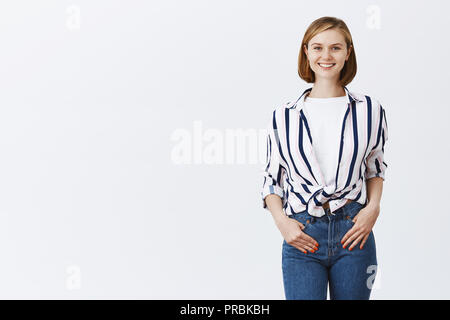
94,205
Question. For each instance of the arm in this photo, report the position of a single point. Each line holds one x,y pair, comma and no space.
376,166
367,216
275,206
374,176
273,196
290,228
273,172
374,191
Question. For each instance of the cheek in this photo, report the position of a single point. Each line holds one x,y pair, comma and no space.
341,56
313,56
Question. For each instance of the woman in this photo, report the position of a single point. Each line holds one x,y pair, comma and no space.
324,174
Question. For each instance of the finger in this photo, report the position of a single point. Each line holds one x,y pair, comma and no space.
348,234
302,226
299,247
351,239
364,241
305,245
306,237
312,242
308,245
355,235
310,239
357,240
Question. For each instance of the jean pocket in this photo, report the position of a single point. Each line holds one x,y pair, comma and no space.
349,219
304,218
350,214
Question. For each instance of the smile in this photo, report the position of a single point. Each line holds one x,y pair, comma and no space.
326,66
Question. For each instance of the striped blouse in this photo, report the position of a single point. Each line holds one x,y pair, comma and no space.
292,171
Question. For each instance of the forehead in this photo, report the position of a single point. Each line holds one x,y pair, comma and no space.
327,37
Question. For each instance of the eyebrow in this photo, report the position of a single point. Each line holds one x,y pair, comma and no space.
330,44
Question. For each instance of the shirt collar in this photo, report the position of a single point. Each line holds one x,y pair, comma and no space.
351,97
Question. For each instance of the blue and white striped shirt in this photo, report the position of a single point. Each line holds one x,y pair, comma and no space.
292,171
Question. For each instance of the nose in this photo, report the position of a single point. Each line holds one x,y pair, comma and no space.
326,53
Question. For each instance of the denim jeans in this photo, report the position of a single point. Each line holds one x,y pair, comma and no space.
350,274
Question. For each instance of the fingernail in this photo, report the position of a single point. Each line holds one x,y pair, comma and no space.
343,247
350,249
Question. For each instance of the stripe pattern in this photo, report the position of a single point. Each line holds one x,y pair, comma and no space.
291,169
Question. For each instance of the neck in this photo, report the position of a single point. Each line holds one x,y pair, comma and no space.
326,90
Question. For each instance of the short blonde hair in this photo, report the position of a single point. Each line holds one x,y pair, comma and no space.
348,72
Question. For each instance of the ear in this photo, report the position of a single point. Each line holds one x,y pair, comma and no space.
349,51
305,48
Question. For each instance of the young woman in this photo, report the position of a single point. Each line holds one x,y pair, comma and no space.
324,174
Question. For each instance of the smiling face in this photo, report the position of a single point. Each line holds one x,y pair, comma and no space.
327,53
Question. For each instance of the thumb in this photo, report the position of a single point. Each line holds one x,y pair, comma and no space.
302,226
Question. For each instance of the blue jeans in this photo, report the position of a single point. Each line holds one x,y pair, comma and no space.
350,274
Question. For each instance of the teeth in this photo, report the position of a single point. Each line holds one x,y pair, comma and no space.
326,65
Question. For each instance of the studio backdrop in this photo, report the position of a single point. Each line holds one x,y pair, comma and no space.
133,142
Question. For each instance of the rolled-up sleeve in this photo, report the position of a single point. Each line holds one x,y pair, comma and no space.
273,171
375,162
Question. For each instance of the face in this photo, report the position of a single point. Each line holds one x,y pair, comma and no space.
325,48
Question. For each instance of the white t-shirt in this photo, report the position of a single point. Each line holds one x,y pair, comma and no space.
325,116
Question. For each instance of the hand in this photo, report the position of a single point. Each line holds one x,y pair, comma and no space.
292,232
364,222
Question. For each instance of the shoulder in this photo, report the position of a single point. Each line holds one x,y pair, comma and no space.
376,104
278,113
287,104
378,107
281,108
373,100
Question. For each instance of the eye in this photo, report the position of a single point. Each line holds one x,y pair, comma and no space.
338,48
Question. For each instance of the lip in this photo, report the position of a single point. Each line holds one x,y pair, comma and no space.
324,68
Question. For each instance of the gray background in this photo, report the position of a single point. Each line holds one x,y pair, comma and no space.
93,202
